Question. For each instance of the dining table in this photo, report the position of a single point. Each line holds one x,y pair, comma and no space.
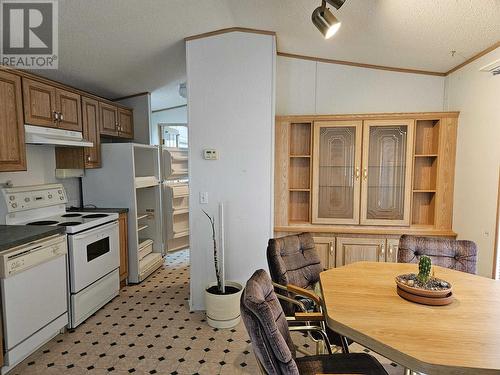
361,303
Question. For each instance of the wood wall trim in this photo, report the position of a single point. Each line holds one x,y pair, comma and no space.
497,233
169,108
59,85
370,230
132,96
369,116
473,58
361,65
229,30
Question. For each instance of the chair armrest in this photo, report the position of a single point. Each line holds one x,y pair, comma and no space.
310,328
309,317
304,292
293,301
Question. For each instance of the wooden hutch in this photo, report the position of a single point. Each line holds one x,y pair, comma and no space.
358,182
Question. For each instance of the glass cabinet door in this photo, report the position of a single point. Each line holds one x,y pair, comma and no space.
387,166
336,172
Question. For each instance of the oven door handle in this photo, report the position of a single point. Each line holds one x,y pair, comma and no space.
96,232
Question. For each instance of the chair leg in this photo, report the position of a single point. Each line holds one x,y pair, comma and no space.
345,345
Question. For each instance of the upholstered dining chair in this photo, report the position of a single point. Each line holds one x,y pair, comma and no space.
295,266
460,255
272,343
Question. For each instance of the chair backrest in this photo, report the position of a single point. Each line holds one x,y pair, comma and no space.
459,255
267,326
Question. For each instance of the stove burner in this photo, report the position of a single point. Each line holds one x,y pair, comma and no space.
94,216
68,223
43,222
71,215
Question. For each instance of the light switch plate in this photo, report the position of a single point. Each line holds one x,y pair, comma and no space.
203,197
210,154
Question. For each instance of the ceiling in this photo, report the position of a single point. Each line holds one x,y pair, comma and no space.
121,47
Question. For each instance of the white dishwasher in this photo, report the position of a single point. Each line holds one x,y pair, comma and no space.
34,296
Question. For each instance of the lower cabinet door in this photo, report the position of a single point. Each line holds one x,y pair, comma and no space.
351,250
392,250
325,246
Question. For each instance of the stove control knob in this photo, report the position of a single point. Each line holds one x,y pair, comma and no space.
59,192
49,196
26,199
12,197
14,205
61,198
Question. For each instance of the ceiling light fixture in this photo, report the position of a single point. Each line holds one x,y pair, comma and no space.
324,20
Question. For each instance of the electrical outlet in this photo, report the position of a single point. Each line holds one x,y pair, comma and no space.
210,154
204,197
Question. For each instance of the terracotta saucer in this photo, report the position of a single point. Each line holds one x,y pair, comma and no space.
424,292
431,301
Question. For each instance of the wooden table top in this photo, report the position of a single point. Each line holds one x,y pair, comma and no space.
462,338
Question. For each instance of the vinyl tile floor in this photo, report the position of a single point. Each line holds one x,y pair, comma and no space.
148,329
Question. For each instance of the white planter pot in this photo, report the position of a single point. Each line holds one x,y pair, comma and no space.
223,311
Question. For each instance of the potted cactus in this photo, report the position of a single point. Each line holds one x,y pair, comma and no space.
424,283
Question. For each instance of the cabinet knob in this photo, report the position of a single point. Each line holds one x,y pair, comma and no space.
61,117
382,250
365,173
56,116
89,158
357,173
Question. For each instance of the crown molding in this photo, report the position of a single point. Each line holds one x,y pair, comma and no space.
230,30
475,57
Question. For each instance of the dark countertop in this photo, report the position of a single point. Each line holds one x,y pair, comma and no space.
92,209
15,235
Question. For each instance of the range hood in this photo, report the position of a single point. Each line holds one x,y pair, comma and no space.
49,136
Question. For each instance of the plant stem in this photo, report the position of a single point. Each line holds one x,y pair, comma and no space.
216,260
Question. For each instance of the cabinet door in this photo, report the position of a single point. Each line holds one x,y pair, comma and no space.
387,167
12,146
69,106
336,172
91,127
122,221
125,123
351,250
392,250
325,246
39,103
109,119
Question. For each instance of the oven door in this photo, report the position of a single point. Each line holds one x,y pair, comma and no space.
92,255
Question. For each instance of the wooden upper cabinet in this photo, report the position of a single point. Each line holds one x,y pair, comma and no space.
336,172
109,119
39,103
91,129
12,146
68,106
387,172
351,250
125,123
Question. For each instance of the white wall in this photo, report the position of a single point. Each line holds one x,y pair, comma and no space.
310,87
41,170
477,96
231,109
142,117
169,116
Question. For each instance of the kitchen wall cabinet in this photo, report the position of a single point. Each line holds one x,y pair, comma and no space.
116,122
123,233
46,105
68,106
325,246
351,250
365,174
91,132
12,146
39,103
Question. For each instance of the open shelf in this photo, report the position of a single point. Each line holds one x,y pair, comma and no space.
146,181
423,208
300,173
298,207
425,173
181,211
142,227
426,137
300,139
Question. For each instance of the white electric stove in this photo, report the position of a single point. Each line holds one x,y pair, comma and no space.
93,244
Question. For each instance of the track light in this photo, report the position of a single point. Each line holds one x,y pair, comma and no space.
324,20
